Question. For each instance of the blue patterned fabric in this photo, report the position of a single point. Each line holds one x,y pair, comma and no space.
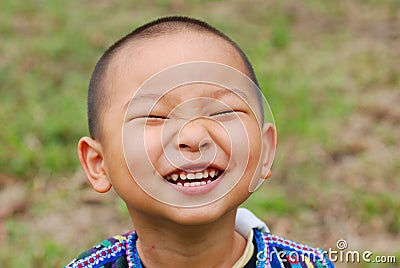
271,252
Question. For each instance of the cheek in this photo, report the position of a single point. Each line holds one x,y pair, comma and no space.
254,149
221,137
138,150
153,145
125,163
116,168
255,144
243,138
144,151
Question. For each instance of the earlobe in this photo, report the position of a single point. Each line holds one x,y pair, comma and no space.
269,136
91,158
269,174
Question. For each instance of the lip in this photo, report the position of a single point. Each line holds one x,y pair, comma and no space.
186,168
198,190
195,167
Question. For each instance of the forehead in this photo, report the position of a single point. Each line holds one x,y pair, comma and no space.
141,59
193,94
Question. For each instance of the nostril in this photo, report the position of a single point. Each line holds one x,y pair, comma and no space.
202,145
205,144
184,146
193,137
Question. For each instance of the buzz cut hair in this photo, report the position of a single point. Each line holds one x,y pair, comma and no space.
99,97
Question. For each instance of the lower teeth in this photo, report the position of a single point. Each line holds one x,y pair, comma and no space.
193,184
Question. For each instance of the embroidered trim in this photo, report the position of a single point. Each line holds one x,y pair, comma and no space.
132,253
263,258
267,245
312,253
102,256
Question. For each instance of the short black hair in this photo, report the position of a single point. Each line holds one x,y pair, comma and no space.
98,94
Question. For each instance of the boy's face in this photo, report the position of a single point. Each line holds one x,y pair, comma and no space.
197,128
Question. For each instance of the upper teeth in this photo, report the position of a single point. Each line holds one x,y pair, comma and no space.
212,173
193,175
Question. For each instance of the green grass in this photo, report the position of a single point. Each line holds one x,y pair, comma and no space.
51,49
38,250
317,62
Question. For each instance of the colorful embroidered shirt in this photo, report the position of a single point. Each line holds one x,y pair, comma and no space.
270,251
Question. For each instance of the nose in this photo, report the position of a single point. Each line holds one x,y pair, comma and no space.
194,137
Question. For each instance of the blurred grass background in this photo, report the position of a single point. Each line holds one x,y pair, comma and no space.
329,69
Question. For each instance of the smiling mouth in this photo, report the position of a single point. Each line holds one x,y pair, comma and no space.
194,179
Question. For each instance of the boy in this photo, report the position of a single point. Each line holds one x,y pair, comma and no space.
183,152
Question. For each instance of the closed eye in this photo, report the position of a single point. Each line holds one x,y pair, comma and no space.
223,113
148,119
154,120
226,115
155,117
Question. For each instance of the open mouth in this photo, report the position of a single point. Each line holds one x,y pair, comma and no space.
194,179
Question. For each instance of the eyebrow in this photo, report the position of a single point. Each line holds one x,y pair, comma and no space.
156,97
237,91
148,96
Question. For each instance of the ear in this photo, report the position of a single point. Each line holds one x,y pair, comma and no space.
91,157
270,140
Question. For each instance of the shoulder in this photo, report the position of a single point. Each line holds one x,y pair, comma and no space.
275,251
110,251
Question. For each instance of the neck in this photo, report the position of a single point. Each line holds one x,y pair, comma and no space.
162,243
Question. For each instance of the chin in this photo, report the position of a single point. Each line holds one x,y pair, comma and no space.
201,215
189,218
